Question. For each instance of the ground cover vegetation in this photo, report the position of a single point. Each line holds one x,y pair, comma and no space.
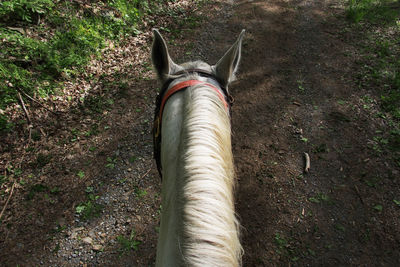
377,24
45,42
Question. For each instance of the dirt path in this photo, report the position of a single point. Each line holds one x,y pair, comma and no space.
294,94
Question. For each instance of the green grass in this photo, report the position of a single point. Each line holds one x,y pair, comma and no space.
62,38
372,10
378,22
24,10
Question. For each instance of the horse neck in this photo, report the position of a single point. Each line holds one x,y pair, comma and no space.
198,225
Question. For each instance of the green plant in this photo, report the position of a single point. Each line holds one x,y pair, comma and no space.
372,182
321,197
128,243
42,160
89,209
24,10
111,161
132,159
322,148
300,85
280,241
304,139
5,125
37,188
372,10
340,227
81,174
140,193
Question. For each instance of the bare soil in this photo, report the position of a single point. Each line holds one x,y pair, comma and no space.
295,93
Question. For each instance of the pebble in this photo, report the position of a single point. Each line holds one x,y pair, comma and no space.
97,247
87,240
92,234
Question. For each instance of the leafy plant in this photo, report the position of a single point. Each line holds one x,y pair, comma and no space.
140,193
24,10
128,243
37,188
111,162
89,209
280,241
80,174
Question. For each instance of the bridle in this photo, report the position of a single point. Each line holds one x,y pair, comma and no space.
167,91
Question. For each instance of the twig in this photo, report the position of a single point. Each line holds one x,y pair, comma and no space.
37,102
144,175
8,199
307,159
358,194
296,103
30,126
24,108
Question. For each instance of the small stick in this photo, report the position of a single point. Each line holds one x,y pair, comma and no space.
30,126
24,108
8,199
296,103
358,194
144,175
37,102
307,158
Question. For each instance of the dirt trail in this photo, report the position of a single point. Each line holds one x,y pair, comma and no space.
294,94
294,77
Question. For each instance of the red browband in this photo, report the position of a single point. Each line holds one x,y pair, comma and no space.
183,85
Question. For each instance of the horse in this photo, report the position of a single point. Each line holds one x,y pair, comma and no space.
192,140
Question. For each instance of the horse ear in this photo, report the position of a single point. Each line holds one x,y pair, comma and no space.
160,56
227,66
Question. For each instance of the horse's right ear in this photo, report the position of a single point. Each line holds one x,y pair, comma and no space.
227,66
160,56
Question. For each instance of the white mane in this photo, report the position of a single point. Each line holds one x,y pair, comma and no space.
210,236
198,185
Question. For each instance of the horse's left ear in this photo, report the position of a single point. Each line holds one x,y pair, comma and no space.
227,66
162,62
